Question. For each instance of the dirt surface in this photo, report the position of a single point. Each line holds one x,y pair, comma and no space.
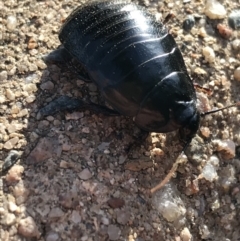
74,178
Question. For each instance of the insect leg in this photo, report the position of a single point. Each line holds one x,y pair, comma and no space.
64,103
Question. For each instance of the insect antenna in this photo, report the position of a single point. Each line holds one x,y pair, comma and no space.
217,110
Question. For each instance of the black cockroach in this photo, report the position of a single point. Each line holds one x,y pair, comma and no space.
135,63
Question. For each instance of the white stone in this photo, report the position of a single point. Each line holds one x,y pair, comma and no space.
10,144
10,95
215,10
169,204
11,22
237,74
9,219
30,87
2,99
209,172
3,75
23,112
12,206
186,235
208,54
30,99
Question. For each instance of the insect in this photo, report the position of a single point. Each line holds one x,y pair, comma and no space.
136,65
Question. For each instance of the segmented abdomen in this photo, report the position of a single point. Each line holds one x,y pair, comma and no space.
123,48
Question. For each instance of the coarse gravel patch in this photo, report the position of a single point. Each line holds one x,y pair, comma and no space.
73,178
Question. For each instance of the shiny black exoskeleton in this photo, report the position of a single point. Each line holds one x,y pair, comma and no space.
135,63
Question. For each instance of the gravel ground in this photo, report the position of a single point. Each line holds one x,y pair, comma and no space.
74,180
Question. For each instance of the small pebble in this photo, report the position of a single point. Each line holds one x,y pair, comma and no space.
74,116
226,148
15,109
85,130
113,232
215,10
122,159
30,78
28,228
237,74
55,213
188,23
3,75
116,202
200,71
228,174
224,31
85,174
10,95
203,102
32,43
103,146
236,44
202,32
14,127
9,219
186,235
15,173
52,236
123,216
23,112
215,204
41,64
169,204
75,217
11,23
209,172
30,88
105,220
204,231
208,54
10,144
2,99
106,151
66,147
235,191
11,159
47,85
205,131
214,160
234,19
20,190
157,152
30,99
2,211
12,207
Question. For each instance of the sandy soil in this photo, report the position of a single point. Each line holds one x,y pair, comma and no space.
74,180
